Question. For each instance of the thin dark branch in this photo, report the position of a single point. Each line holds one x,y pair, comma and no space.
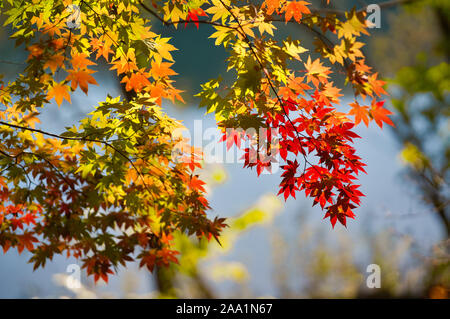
169,23
12,62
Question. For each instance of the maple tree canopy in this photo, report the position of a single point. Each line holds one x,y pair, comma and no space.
110,190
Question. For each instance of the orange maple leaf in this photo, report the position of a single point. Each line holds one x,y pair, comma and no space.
136,81
36,51
316,72
81,61
295,9
102,49
58,43
287,93
196,184
376,85
160,70
271,6
54,62
172,94
157,91
361,113
59,91
330,93
126,63
81,78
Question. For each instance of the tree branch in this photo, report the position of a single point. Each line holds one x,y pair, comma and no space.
169,23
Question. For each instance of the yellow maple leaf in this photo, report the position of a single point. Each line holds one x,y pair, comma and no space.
354,26
218,10
294,49
162,50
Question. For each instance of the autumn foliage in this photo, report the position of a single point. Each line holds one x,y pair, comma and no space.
110,190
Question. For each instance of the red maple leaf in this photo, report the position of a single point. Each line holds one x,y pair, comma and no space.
193,16
380,114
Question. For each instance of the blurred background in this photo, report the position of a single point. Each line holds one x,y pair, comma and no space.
284,249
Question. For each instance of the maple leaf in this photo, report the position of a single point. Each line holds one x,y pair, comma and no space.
148,260
54,62
288,184
167,255
125,62
196,184
102,49
376,85
271,6
295,9
293,48
287,93
136,81
193,16
316,72
232,136
361,113
157,92
16,223
218,10
29,219
161,70
81,78
380,114
81,61
162,50
266,27
58,43
26,240
59,91
354,26
330,93
6,246
36,51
